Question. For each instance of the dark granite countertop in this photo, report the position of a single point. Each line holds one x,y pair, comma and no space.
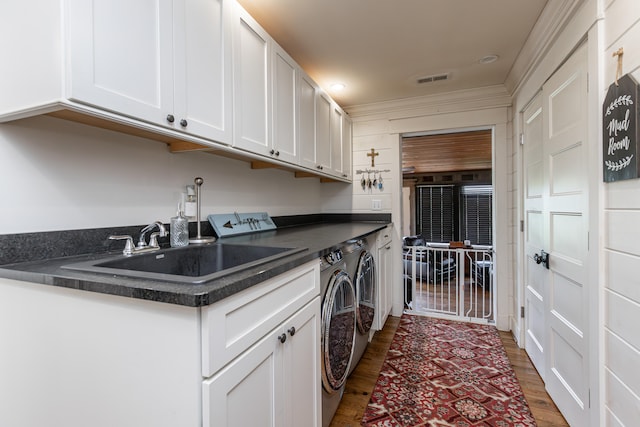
318,239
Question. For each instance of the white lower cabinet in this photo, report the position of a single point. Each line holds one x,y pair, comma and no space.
261,354
385,277
273,383
85,358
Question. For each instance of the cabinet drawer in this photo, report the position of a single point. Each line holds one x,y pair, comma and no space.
233,324
384,237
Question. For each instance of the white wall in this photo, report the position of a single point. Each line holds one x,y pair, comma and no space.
58,175
380,127
621,382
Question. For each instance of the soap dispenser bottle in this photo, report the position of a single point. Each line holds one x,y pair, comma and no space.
179,229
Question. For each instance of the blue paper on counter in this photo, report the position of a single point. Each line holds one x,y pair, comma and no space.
233,224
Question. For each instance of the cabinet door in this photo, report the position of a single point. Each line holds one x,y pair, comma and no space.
121,56
302,367
307,120
385,280
246,392
284,82
336,139
323,132
278,377
347,154
203,79
251,84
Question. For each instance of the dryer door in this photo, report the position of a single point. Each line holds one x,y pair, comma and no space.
366,291
338,330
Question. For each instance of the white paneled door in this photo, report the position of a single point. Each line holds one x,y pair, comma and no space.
556,219
534,276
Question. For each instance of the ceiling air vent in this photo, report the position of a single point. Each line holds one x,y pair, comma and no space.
434,78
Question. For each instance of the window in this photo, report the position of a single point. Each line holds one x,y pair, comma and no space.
448,213
436,216
475,214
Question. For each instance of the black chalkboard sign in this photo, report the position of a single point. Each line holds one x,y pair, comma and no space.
620,131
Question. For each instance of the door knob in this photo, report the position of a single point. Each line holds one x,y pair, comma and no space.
542,258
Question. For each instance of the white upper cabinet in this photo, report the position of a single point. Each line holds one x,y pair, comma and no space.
121,56
203,68
323,132
284,112
335,134
251,86
196,71
347,147
163,62
307,90
265,113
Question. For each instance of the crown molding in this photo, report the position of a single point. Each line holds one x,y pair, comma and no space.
462,100
553,19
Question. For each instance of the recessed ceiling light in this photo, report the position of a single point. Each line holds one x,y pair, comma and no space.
488,59
337,87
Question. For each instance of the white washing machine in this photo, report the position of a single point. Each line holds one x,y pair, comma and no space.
338,330
361,265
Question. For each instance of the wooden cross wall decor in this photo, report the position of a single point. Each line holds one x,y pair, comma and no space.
373,155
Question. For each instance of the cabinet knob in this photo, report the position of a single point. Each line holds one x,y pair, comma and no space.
170,118
319,167
282,338
292,331
277,153
183,123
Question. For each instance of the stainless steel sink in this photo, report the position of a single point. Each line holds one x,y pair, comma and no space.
190,264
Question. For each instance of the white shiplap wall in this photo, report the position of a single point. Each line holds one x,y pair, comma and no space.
387,147
621,386
380,127
337,196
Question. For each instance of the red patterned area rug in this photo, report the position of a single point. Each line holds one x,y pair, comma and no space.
446,373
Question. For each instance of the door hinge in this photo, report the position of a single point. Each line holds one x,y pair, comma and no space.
522,312
522,139
522,225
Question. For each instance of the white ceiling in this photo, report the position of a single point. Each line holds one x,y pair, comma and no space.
379,48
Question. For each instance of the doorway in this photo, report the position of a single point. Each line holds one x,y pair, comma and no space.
448,232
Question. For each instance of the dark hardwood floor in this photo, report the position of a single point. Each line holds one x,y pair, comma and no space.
361,382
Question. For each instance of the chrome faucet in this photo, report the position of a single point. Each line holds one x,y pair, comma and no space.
142,246
153,239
